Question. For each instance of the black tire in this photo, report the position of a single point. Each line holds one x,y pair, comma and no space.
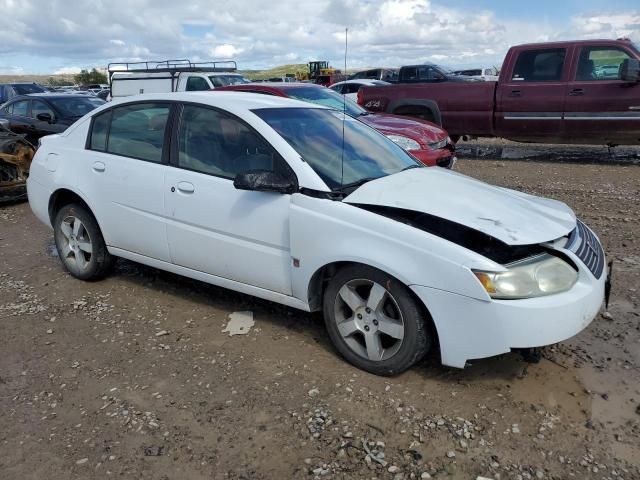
417,339
85,254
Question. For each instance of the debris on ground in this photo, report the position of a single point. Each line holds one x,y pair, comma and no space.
239,323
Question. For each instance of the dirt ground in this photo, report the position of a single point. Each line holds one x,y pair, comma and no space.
132,377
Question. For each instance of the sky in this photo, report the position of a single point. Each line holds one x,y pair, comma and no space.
64,36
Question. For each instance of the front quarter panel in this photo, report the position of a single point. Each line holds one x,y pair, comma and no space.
325,231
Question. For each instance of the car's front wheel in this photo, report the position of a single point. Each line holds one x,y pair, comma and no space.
374,321
80,244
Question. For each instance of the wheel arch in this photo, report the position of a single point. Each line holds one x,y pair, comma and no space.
320,278
64,196
415,107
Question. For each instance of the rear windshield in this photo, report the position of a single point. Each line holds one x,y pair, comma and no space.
326,97
224,80
73,107
27,89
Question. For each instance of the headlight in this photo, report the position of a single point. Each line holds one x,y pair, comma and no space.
404,142
533,277
440,144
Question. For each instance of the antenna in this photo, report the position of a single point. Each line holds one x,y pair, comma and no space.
344,107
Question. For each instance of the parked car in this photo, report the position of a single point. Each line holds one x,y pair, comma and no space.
427,142
429,73
10,90
487,74
547,92
386,74
171,76
350,87
15,158
267,196
42,114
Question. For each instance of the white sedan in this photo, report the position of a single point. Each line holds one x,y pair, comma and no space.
349,88
302,205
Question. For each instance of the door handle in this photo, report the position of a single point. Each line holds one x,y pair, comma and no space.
576,92
515,93
98,167
186,187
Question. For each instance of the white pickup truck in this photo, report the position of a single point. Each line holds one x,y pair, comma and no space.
128,79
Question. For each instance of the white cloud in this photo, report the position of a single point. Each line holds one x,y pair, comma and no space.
259,34
68,71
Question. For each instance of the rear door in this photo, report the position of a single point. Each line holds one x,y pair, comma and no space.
126,155
599,104
19,121
530,104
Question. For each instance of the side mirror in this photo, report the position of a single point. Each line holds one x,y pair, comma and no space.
630,70
45,117
263,181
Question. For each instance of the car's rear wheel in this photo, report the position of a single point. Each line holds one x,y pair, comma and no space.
374,321
80,244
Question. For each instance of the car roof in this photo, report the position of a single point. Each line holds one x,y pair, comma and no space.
229,100
362,81
47,95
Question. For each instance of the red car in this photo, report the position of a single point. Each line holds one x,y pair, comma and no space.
424,140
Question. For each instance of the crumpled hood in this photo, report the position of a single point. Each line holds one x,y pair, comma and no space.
422,131
514,218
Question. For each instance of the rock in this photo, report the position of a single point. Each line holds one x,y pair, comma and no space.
153,451
451,454
162,333
50,331
607,316
515,428
425,475
239,323
393,469
463,444
82,461
308,461
314,392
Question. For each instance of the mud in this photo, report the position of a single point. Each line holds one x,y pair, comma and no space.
132,377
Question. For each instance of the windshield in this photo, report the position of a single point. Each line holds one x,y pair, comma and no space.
327,98
317,135
78,106
224,80
443,69
26,89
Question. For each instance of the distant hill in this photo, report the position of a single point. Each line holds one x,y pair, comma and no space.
43,79
279,71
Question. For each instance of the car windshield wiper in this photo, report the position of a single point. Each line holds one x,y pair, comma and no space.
415,165
356,184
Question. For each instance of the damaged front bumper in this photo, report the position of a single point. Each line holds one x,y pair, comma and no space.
469,328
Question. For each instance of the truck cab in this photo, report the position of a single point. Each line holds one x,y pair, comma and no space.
136,78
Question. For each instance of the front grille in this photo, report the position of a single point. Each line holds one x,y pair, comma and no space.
587,248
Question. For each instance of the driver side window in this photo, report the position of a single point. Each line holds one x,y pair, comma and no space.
600,63
216,143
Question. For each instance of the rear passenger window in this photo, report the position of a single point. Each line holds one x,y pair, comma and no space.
135,131
543,65
218,144
21,108
99,131
196,84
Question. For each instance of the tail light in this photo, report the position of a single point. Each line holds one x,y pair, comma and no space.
360,100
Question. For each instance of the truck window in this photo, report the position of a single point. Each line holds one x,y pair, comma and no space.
600,63
195,84
544,65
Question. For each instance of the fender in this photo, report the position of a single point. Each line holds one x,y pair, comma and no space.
430,105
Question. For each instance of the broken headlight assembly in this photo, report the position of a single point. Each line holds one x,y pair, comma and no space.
441,144
532,277
404,142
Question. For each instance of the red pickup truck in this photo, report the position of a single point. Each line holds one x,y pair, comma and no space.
562,92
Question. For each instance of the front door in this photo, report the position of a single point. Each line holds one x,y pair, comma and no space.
211,226
599,104
530,104
124,176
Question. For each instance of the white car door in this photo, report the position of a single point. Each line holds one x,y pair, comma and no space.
211,226
123,177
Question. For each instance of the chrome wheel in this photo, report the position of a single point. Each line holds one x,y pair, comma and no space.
369,319
76,248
